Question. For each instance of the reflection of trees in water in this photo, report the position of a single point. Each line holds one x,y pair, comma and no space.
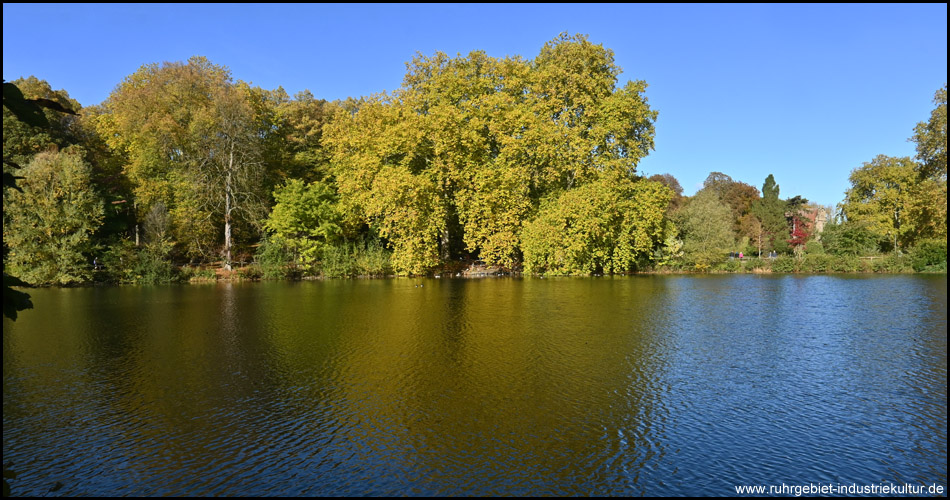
516,386
463,380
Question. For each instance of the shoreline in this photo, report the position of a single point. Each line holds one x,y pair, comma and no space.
235,277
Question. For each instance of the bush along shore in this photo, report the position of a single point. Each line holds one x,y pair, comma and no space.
373,262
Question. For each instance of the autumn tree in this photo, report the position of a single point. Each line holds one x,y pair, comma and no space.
929,207
799,234
381,180
718,183
931,140
611,225
297,147
669,181
49,221
193,141
901,202
19,112
738,196
463,153
879,197
24,139
230,168
751,227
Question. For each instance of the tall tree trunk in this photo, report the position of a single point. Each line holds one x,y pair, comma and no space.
444,239
444,244
135,206
227,212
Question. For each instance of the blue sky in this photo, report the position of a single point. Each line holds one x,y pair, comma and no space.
804,92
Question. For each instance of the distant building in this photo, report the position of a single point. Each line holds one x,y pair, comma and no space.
813,218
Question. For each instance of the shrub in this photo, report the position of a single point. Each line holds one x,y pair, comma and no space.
757,263
373,260
706,260
929,255
122,262
118,262
153,267
274,260
731,266
814,247
251,272
368,258
848,239
338,261
815,263
891,264
845,264
783,264
188,273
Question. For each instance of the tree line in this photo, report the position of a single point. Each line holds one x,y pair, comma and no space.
526,164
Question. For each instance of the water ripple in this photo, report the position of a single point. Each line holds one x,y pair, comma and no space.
627,386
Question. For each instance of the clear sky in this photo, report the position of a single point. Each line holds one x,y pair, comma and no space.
804,92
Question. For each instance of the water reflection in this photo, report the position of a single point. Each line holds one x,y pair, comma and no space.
613,386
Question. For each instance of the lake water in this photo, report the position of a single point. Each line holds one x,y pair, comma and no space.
641,385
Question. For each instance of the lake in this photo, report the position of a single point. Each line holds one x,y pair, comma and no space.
639,385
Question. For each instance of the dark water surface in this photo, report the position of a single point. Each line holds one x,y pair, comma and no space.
656,385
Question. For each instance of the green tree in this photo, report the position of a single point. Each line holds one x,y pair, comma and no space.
931,139
770,189
64,123
706,226
18,112
879,197
769,211
108,177
304,220
50,223
849,238
17,108
298,148
671,252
